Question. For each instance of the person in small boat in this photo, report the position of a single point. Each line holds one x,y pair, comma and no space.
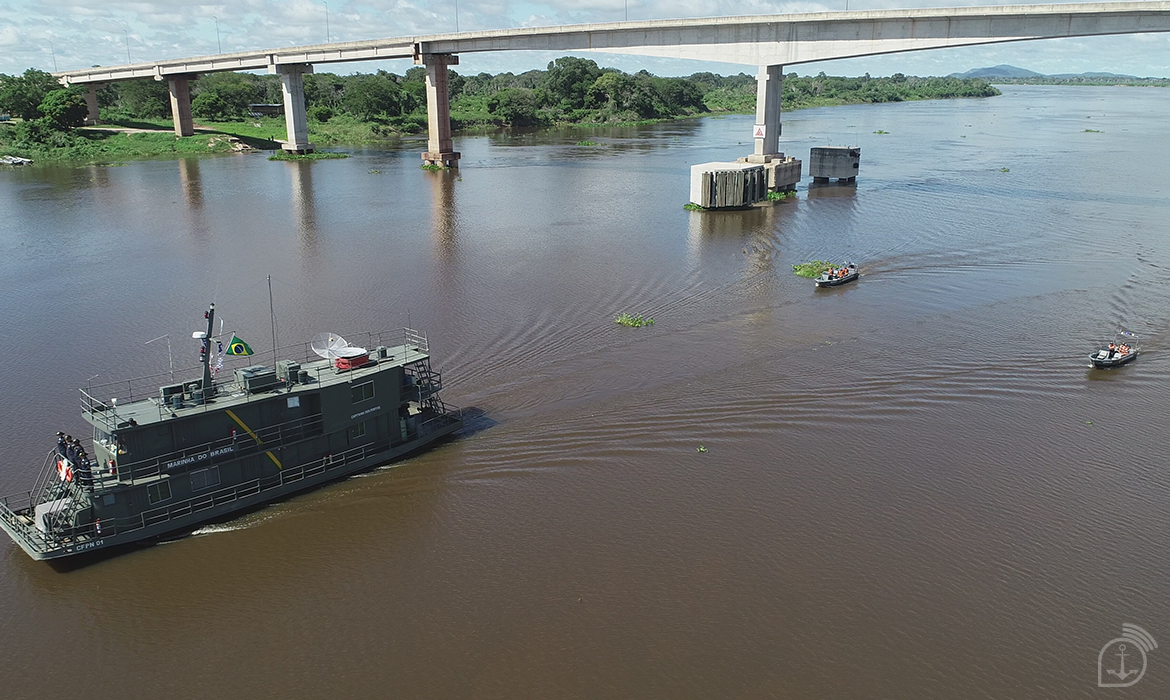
1112,350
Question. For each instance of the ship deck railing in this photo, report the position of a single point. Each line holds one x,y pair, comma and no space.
267,438
101,401
17,509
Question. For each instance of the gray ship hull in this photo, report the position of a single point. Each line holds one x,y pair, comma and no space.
217,505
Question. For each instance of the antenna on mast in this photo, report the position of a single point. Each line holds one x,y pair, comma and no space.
272,317
170,357
205,351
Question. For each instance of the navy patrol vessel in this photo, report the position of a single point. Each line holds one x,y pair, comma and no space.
168,459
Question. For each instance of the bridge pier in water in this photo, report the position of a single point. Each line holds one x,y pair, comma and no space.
180,88
782,172
296,119
440,147
769,88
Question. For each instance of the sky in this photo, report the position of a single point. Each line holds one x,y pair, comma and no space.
68,34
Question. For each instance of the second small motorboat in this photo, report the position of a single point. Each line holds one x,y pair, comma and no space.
836,276
1123,350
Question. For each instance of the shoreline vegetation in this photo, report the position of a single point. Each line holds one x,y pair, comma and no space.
367,108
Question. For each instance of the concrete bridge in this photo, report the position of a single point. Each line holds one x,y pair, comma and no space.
767,41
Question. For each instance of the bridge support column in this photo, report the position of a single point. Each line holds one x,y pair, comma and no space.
180,86
91,105
440,148
782,172
292,80
769,88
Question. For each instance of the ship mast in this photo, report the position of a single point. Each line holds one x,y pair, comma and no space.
205,356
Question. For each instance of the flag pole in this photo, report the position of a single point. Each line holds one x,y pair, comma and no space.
272,317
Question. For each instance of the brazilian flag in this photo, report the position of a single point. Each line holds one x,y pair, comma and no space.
238,347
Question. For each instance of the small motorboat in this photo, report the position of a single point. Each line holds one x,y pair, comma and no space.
836,276
1123,350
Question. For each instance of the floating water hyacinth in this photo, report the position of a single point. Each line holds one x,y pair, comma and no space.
633,320
813,269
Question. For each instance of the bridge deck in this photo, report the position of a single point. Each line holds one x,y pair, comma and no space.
751,40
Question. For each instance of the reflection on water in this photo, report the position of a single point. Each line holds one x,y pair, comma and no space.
190,183
304,209
444,216
832,189
192,187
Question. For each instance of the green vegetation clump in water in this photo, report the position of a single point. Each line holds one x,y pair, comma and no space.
777,196
587,143
316,155
879,131
633,320
1092,131
813,269
362,108
691,206
432,167
1005,170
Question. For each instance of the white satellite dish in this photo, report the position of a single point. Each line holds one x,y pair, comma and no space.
329,345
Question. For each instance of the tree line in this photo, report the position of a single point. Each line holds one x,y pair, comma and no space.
570,90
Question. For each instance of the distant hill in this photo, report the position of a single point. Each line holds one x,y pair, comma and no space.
1000,71
1006,71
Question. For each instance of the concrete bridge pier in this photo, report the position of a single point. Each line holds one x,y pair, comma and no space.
440,148
782,172
91,104
180,88
769,88
296,119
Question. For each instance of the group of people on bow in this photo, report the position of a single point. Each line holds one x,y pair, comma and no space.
72,461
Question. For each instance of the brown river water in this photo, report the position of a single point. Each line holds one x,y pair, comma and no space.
913,486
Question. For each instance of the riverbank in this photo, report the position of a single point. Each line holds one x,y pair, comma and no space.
142,139
124,140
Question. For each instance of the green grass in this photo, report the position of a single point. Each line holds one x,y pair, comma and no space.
432,167
587,143
879,131
95,146
633,320
1092,131
266,133
812,269
316,155
1005,170
691,206
777,196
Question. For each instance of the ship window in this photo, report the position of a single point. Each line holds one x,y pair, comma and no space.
358,430
362,392
158,492
204,478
